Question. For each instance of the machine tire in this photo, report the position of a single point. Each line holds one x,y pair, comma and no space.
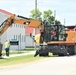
71,50
43,54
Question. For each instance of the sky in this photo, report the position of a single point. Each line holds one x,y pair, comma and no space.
65,9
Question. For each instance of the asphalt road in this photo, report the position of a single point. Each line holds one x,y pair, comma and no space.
47,66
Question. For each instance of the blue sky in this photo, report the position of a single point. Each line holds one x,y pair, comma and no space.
65,9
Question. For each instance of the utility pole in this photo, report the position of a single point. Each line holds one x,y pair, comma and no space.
20,42
36,19
64,21
54,16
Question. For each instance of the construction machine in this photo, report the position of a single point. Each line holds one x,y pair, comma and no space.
53,38
17,19
13,19
59,39
71,39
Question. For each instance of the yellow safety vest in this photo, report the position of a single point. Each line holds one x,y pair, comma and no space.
7,44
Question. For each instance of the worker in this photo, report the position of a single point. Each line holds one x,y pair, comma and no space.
53,34
7,46
0,50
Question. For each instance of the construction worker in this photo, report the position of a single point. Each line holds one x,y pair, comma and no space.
7,46
1,50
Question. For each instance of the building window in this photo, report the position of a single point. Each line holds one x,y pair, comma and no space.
16,25
23,26
14,36
24,38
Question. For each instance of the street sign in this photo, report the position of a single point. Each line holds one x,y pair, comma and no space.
14,42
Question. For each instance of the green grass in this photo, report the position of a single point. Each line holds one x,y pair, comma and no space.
30,49
19,60
18,51
13,52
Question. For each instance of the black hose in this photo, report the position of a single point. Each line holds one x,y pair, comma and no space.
23,17
4,22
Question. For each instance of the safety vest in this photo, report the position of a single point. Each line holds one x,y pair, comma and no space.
7,44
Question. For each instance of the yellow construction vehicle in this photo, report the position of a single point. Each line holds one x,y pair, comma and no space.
52,38
14,19
59,39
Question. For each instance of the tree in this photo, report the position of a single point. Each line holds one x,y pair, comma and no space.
36,14
47,16
57,22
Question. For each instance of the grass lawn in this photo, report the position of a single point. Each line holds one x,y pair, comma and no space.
14,52
19,60
18,51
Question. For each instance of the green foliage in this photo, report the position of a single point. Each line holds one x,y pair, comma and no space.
57,22
18,60
36,14
46,16
47,13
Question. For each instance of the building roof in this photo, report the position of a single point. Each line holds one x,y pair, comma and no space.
5,12
31,30
28,30
37,31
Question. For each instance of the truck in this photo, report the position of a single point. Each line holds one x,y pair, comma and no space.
56,39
